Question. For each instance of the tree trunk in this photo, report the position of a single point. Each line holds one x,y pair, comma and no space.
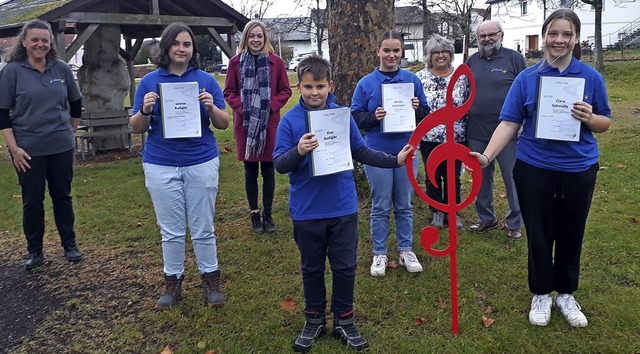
599,62
103,77
354,27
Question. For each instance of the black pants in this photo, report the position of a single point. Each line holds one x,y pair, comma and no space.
439,192
336,238
554,207
56,172
268,184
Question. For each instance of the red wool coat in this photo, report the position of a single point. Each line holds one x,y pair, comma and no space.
280,93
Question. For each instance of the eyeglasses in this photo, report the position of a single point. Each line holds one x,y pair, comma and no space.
440,52
489,35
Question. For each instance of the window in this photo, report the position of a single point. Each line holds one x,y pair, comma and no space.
523,8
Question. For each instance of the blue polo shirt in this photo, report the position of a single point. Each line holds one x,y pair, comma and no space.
520,107
316,197
368,96
179,152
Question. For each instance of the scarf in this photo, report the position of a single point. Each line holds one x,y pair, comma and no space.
255,80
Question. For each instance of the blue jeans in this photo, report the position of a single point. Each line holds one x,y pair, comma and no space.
184,195
390,188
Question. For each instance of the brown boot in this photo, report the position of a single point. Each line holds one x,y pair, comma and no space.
172,292
211,287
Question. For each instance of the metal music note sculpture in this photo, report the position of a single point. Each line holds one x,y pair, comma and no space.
447,152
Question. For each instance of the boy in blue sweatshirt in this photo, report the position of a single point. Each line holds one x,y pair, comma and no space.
324,209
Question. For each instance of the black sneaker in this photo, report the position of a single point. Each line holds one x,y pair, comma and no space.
256,222
345,330
34,260
315,326
267,222
72,254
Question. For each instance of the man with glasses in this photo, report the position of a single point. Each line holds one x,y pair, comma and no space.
494,69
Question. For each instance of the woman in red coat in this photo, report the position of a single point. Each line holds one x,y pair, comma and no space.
256,88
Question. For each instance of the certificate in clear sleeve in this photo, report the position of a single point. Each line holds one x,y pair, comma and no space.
396,100
555,100
180,110
332,128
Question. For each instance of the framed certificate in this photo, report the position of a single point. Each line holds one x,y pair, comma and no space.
396,100
555,100
180,110
332,128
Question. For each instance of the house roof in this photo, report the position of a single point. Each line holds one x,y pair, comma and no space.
289,28
133,16
408,15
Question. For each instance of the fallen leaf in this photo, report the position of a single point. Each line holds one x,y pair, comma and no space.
392,264
139,224
16,196
502,195
288,304
488,310
623,166
487,322
634,220
166,350
421,320
85,181
440,303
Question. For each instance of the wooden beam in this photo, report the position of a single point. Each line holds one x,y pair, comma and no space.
155,7
221,43
59,27
131,19
79,41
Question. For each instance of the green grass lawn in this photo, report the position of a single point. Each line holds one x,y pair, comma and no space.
107,300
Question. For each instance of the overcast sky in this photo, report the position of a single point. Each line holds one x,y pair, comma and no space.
289,8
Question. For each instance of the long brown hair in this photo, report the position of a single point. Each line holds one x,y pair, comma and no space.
569,15
17,51
169,35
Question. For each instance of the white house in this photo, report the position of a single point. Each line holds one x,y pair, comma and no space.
522,20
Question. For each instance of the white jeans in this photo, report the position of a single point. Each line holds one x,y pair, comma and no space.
184,195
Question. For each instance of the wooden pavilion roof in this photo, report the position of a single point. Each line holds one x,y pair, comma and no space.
138,19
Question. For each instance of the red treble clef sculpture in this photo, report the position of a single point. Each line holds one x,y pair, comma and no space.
447,152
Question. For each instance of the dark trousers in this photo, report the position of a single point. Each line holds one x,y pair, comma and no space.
56,172
554,207
439,192
336,238
268,184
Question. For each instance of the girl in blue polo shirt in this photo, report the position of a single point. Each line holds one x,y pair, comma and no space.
181,174
390,188
554,178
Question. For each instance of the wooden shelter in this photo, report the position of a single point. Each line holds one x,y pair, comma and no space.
97,22
138,19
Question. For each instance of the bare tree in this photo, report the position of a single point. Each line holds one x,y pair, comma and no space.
251,8
320,22
597,41
460,13
354,27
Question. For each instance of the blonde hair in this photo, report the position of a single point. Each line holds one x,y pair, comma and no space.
244,41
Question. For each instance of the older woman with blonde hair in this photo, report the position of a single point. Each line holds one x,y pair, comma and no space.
256,88
436,77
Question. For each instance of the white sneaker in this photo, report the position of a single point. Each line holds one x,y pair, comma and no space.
379,265
410,261
540,310
571,310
